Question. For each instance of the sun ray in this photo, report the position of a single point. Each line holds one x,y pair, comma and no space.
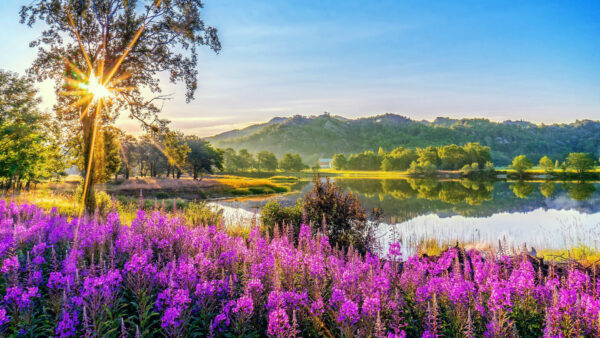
96,87
85,55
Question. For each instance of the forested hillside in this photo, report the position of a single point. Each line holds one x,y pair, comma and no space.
325,135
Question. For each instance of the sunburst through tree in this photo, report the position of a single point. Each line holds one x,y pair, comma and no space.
113,52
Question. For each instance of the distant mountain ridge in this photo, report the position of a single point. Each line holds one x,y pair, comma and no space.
325,135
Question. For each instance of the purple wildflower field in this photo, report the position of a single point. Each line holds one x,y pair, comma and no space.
160,276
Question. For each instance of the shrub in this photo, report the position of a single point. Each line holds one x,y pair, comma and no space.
345,218
274,214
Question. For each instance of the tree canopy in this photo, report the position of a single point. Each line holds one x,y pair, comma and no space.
30,148
291,162
118,48
521,164
580,162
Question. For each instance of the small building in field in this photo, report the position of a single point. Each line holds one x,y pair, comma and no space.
325,163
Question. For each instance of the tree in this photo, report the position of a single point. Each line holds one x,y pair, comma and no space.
108,44
402,158
386,164
580,162
266,160
367,160
129,155
521,164
28,148
339,162
111,155
428,154
231,161
176,151
425,169
203,158
477,153
546,164
452,157
291,162
245,160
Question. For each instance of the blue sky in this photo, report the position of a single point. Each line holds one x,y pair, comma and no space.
531,60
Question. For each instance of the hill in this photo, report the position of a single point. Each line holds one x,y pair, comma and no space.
325,135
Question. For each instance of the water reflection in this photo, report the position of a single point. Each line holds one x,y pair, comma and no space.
472,210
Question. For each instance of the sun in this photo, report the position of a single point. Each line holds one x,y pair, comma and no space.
96,88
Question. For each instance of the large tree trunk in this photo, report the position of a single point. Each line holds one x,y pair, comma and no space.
88,198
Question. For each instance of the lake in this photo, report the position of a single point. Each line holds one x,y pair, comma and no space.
550,215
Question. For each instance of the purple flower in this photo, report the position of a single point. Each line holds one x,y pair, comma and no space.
371,306
244,305
4,318
317,307
279,323
21,297
67,326
10,264
348,312
395,251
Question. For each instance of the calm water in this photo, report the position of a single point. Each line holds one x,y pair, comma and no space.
542,214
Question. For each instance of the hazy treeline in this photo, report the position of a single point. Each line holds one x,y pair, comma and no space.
243,160
171,154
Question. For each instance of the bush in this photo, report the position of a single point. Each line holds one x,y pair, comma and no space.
345,218
425,169
274,214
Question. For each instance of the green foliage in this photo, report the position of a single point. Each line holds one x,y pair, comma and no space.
203,158
266,161
242,161
339,162
29,151
291,162
451,157
580,162
546,164
275,215
386,164
109,159
469,169
521,164
198,213
401,158
422,169
176,150
367,160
